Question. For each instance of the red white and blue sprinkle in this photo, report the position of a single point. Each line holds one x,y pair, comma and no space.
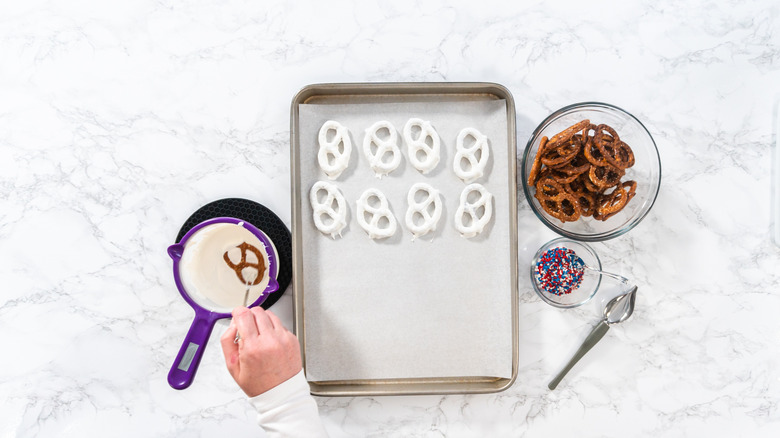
559,271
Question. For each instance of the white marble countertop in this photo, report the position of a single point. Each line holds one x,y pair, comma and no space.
118,120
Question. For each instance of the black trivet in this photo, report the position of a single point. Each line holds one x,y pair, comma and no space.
262,218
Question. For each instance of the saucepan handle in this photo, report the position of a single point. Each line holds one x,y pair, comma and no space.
191,351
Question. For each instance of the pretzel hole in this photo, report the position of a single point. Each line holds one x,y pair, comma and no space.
417,218
466,220
387,157
421,155
431,208
469,141
567,207
250,274
251,257
383,222
330,135
327,220
234,255
465,164
321,195
383,133
420,196
480,211
585,202
373,148
551,206
416,132
429,141
373,201
331,157
473,197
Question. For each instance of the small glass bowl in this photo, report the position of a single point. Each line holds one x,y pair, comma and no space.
590,280
646,171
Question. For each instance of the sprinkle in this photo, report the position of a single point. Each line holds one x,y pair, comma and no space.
559,271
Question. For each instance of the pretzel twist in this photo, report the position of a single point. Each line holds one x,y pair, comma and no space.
333,207
476,155
377,220
333,155
432,152
429,209
477,213
384,147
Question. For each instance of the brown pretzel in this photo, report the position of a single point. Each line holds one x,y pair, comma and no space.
605,133
561,154
587,203
567,133
576,187
576,167
605,177
620,156
537,166
548,188
240,266
560,177
573,170
610,204
564,207
593,154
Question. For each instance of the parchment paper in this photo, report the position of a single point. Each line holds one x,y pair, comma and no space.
438,306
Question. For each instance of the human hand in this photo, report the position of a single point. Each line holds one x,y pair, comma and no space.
267,353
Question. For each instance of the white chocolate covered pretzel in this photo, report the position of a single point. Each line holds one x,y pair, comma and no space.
479,212
384,146
374,225
325,207
429,209
432,153
476,155
332,158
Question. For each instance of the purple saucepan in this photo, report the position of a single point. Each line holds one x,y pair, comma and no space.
191,351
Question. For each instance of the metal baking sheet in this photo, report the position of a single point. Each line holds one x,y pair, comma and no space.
429,316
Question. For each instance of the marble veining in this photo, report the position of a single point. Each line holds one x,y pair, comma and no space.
117,121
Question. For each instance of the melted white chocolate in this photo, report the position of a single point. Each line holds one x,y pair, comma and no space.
332,206
385,147
478,213
208,279
428,209
334,154
476,155
430,153
374,215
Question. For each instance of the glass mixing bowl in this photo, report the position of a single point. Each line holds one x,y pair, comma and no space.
646,171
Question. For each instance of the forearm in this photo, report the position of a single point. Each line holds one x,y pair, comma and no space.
288,410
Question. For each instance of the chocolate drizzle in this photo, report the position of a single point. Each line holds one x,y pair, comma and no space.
243,264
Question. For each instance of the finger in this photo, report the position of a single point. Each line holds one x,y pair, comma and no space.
262,320
239,310
247,327
230,348
275,320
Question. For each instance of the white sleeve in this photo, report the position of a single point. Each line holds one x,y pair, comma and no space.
289,410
